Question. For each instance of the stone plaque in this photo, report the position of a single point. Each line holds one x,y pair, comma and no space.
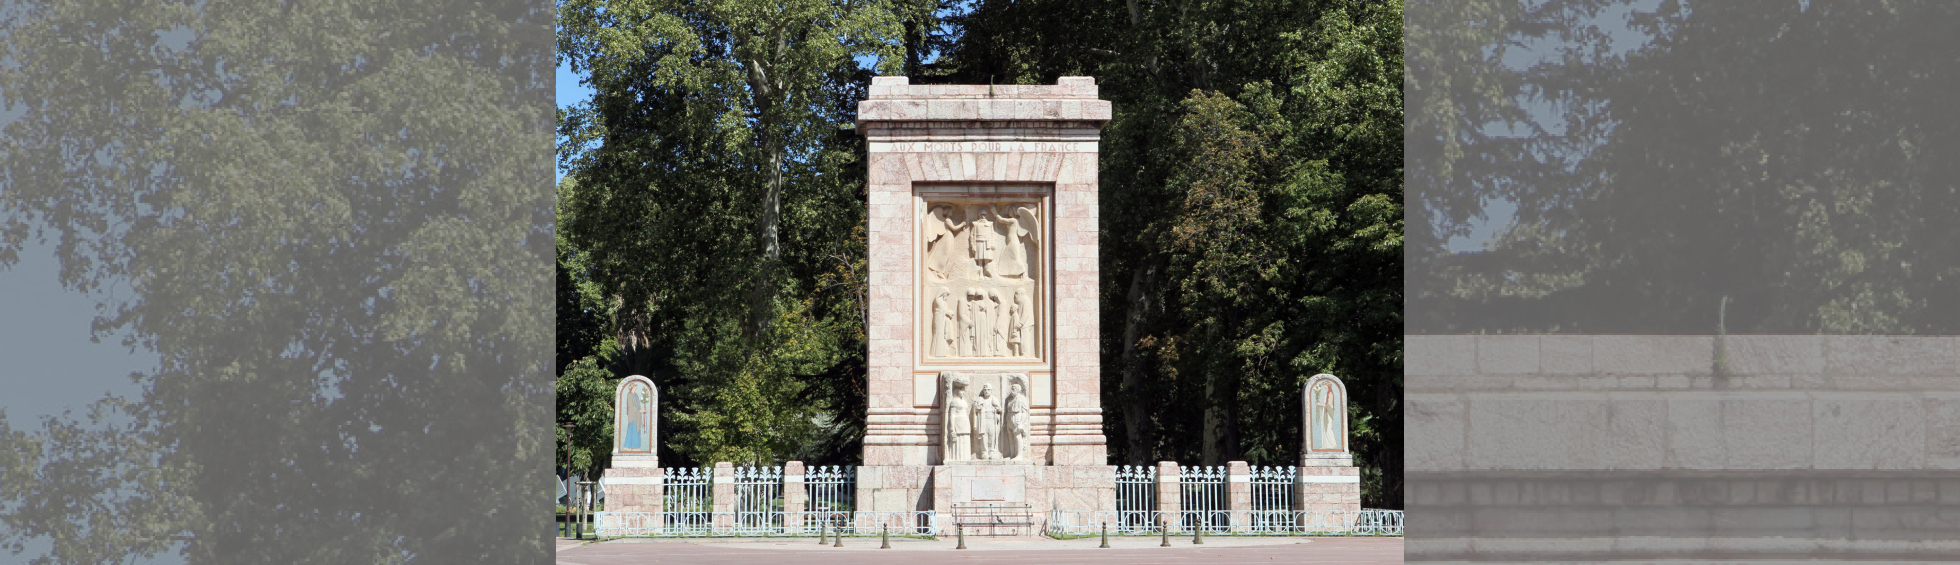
633,410
989,489
1326,414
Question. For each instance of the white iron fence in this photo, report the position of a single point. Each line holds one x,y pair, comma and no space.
1063,523
758,500
830,492
758,508
1202,501
1136,499
1272,498
687,504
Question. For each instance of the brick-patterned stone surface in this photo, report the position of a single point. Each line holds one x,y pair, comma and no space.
936,136
1591,447
633,497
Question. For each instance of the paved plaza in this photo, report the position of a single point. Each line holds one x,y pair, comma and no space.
982,551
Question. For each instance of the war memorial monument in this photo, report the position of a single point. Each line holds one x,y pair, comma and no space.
984,384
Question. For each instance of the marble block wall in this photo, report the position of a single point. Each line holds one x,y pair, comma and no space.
1595,447
1039,140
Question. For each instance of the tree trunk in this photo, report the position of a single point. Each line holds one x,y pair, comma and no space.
1137,423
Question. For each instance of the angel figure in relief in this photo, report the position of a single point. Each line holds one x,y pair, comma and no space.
942,234
1022,230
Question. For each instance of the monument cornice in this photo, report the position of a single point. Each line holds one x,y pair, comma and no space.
1072,101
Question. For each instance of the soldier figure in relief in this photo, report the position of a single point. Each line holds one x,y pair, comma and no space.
1017,419
985,246
986,410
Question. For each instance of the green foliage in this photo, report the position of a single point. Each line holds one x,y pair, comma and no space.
326,219
710,202
1786,159
1251,209
1251,203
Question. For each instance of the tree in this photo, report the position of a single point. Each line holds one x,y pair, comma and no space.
715,194
1767,166
326,219
1251,189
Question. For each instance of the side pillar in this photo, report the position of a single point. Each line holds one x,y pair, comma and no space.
795,498
1238,494
724,497
1170,502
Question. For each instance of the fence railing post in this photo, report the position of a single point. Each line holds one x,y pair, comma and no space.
1169,500
794,497
1238,494
723,490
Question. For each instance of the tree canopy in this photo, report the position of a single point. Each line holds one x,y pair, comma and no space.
1775,169
326,219
1251,197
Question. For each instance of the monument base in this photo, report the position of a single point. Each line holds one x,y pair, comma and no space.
1328,484
940,487
633,484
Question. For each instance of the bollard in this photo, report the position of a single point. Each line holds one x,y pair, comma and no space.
962,532
1105,544
1198,535
823,532
885,536
1165,528
839,537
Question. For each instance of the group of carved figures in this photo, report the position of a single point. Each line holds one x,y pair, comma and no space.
983,322
984,427
981,241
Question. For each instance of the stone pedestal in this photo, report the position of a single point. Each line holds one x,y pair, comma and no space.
983,247
1329,484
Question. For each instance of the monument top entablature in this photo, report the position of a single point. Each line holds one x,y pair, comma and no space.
1070,99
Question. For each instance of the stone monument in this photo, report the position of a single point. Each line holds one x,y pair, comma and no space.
984,353
1328,479
633,481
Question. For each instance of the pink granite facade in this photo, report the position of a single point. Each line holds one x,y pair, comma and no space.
1031,143
1039,140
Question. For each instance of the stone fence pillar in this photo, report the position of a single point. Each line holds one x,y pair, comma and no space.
724,497
795,498
1169,501
1238,494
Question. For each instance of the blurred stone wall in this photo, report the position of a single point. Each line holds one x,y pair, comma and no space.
1583,448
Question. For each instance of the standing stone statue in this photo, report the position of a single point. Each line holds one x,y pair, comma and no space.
1017,420
1013,260
986,411
943,322
959,421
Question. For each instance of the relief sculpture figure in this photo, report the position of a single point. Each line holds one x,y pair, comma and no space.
943,322
959,422
985,247
1326,428
1020,331
942,235
986,410
1021,231
970,324
997,338
1017,420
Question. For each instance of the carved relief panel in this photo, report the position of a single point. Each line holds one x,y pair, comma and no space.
982,265
986,417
